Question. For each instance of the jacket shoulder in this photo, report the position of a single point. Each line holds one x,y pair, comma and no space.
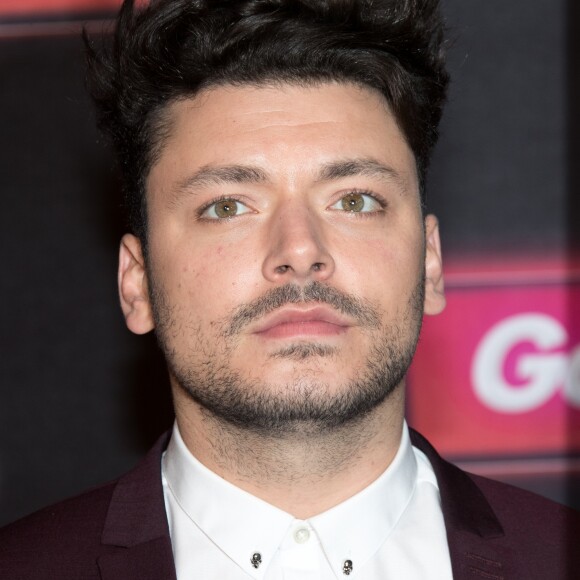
60,541
540,537
112,526
492,526
529,515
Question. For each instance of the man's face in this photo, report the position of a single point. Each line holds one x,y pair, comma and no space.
287,253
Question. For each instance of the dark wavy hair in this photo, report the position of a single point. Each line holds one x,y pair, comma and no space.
172,49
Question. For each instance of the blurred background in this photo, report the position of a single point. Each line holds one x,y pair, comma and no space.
496,381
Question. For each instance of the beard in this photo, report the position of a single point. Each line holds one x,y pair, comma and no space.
304,405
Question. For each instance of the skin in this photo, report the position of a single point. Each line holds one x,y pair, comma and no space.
292,227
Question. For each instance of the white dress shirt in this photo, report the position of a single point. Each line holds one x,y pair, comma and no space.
391,529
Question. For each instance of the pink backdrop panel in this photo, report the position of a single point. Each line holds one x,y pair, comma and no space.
498,373
15,7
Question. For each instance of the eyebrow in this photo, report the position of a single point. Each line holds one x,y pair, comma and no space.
209,175
366,167
331,171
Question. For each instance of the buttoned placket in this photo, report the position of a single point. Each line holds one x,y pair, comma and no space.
300,553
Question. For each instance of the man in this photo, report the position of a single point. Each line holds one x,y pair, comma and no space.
274,155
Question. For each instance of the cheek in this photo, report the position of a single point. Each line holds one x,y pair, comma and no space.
385,269
213,279
374,255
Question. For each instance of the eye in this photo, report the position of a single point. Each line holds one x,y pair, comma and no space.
356,202
224,208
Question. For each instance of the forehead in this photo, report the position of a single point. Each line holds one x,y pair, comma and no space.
288,129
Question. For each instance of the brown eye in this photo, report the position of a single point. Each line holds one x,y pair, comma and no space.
358,202
226,208
353,202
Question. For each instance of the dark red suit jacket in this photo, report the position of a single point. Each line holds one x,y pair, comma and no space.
119,531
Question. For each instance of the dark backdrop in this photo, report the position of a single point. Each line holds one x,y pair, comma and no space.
81,399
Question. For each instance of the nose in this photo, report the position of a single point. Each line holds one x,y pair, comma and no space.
297,251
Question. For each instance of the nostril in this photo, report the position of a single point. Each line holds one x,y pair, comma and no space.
282,269
317,266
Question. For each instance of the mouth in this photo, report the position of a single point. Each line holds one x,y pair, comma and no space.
320,321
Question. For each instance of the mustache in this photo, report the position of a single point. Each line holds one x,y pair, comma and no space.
314,292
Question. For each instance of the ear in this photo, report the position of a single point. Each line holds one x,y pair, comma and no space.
434,287
133,288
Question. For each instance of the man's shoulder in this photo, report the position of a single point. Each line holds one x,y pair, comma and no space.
493,526
75,538
538,537
63,536
525,512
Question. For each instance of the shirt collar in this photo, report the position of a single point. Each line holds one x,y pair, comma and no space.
356,528
241,524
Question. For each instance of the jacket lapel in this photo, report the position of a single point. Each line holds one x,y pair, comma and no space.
474,534
136,532
148,561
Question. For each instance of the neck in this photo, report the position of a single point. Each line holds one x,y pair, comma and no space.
304,472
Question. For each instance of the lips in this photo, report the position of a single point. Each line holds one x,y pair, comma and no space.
294,322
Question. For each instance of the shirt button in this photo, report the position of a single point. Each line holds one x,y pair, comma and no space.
301,535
